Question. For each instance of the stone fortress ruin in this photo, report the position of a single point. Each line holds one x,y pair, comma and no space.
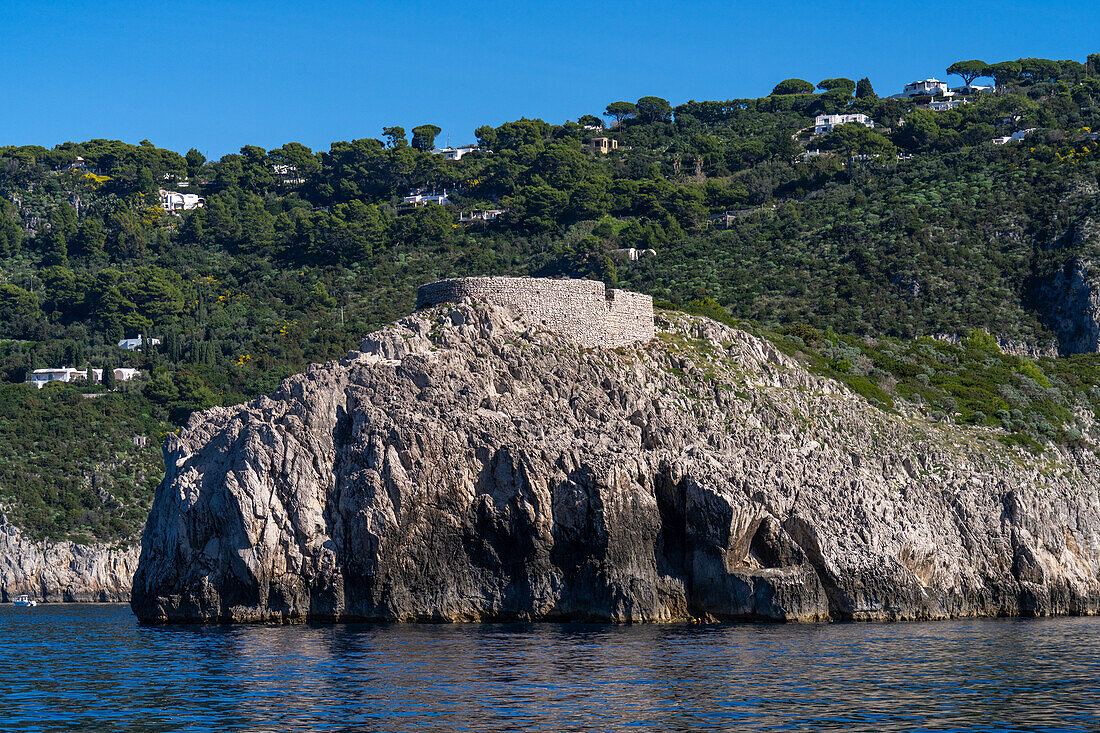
583,310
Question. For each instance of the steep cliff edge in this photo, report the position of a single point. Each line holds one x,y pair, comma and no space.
464,466
63,571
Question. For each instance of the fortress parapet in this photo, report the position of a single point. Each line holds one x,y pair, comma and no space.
583,310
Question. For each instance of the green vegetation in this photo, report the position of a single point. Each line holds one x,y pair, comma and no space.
970,382
69,466
919,227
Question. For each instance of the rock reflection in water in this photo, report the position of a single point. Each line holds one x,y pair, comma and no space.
94,668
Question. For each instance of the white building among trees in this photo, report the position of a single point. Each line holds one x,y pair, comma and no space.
824,124
455,153
41,377
927,88
176,201
419,198
134,344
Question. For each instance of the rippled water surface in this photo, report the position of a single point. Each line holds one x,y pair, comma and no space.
92,667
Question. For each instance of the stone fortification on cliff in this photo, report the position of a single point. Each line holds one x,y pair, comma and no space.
586,311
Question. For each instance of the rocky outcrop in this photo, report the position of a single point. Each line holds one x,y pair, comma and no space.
464,466
63,571
1070,302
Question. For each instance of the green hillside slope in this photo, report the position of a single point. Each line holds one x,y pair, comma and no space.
864,250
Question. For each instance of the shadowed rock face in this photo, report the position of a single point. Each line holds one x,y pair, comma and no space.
465,467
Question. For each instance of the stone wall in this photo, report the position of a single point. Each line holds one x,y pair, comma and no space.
584,310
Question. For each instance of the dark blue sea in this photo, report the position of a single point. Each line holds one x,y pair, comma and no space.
73,667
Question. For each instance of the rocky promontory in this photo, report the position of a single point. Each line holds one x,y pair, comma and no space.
467,465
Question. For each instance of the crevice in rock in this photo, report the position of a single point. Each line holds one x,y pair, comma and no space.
672,538
803,535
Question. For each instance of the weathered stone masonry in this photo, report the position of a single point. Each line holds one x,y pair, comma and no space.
584,310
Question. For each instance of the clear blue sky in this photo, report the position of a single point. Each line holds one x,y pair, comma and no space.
219,75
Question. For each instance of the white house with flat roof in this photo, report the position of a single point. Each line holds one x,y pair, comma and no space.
134,344
41,377
824,124
455,153
481,215
1014,137
172,201
419,198
927,88
942,105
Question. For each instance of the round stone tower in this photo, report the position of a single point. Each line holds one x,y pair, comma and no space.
583,310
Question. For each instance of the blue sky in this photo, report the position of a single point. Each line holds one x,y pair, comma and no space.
219,75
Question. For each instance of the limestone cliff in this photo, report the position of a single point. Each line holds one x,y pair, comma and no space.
464,466
1070,300
63,571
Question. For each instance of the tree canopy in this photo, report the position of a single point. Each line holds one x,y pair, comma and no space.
620,111
793,86
968,70
423,136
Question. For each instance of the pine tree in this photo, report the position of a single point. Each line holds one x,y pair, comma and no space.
864,90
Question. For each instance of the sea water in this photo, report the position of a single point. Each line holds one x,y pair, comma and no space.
89,667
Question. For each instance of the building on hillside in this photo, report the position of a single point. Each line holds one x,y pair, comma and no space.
79,165
602,145
456,153
419,198
942,105
727,218
974,89
481,215
630,254
135,344
288,174
41,377
927,88
1015,137
824,124
173,201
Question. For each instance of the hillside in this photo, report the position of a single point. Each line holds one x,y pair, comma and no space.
850,249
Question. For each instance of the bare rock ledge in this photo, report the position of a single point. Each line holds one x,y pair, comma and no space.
63,571
465,466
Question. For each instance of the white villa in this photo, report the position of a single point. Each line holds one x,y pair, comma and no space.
630,254
1014,137
419,198
455,153
134,344
942,105
927,88
175,201
824,124
41,377
974,89
481,215
289,174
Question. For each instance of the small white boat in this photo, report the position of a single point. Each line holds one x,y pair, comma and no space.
25,600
